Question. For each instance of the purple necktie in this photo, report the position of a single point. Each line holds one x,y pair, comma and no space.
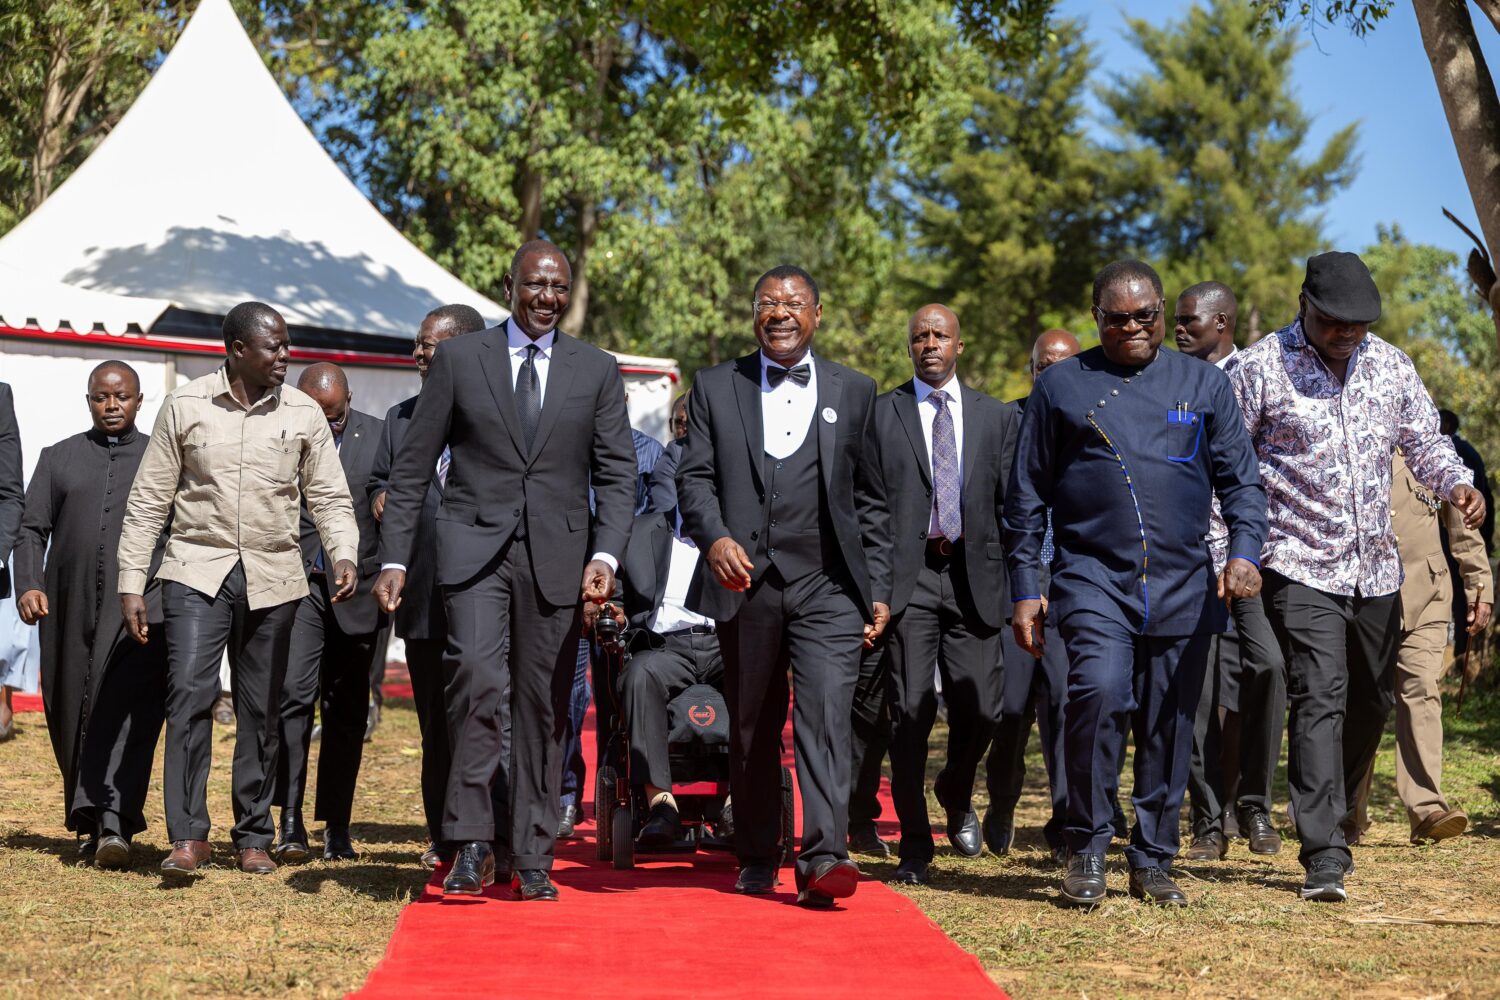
945,484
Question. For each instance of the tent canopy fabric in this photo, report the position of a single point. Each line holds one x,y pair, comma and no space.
212,191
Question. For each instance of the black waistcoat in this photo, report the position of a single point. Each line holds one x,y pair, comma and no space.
798,537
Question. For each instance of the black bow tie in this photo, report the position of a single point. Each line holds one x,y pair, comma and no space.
776,375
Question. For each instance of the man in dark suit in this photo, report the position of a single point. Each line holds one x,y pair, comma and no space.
674,648
420,621
1127,444
945,453
779,487
530,418
332,645
12,501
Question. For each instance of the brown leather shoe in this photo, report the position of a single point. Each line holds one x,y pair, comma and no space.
1440,825
186,858
255,861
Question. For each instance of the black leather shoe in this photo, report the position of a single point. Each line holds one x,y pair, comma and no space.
963,834
756,880
88,847
999,830
911,872
291,843
1259,832
836,879
814,900
663,827
567,821
113,852
473,870
432,857
724,828
533,883
1084,883
867,841
1155,886
336,844
1325,882
1210,846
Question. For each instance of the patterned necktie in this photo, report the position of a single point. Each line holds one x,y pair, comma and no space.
529,396
775,375
947,492
444,460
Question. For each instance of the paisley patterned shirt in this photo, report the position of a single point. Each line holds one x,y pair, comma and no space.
1325,451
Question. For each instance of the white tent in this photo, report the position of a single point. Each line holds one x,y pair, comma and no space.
211,191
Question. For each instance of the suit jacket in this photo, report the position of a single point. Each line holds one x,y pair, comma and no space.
12,483
643,574
583,437
421,614
720,481
1426,586
359,615
989,444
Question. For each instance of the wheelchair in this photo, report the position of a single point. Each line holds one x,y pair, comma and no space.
698,754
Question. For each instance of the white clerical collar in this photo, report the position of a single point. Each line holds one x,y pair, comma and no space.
951,387
765,362
518,340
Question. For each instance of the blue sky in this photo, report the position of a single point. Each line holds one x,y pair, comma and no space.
1408,170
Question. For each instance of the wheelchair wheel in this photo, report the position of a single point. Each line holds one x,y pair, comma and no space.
624,837
604,812
788,817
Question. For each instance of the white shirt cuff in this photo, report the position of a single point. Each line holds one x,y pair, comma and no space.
608,560
386,566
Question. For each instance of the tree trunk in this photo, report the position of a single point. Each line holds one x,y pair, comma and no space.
61,102
1468,93
531,204
578,305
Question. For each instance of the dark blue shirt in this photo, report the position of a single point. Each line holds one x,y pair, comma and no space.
1128,459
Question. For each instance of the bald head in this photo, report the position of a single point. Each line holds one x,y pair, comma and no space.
1050,348
329,387
934,344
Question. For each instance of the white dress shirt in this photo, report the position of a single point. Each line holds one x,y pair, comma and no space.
786,412
1225,359
673,613
927,412
517,342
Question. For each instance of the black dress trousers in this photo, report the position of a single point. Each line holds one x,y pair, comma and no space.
939,625
1340,668
330,669
648,686
870,735
199,629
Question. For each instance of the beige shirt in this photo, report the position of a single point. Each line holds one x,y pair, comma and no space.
233,480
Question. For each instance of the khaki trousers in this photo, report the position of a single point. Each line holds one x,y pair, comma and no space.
1419,721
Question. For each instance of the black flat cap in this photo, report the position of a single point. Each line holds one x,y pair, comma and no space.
1341,288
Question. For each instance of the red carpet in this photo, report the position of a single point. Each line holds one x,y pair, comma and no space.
669,929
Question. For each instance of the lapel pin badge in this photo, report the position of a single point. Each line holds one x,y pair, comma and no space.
829,415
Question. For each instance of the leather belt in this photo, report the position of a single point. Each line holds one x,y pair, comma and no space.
692,630
941,547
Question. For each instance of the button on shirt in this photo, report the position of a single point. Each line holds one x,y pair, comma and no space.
1325,451
673,613
786,411
233,479
927,412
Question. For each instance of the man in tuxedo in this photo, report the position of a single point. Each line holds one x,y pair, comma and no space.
420,620
530,417
945,453
780,489
332,644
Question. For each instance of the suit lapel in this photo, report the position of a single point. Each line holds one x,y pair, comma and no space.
495,360
830,392
560,370
748,395
905,401
354,441
973,431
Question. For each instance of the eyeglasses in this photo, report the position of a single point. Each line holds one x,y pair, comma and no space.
1117,320
771,305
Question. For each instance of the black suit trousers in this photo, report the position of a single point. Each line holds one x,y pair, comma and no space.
1035,689
424,662
651,681
870,732
199,628
503,605
1340,669
814,627
331,670
939,626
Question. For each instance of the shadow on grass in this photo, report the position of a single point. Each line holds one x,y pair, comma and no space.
389,833
380,882
64,849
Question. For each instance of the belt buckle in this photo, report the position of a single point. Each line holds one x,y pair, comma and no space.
944,547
